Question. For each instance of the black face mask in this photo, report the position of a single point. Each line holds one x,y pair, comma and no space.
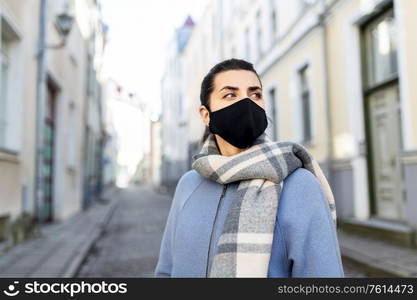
240,123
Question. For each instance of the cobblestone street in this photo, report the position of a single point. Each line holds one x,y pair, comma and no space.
351,271
129,245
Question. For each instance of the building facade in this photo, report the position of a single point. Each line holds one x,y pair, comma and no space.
94,118
127,124
174,108
64,106
338,77
155,149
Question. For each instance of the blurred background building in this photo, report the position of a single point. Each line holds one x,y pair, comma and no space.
338,77
174,109
126,117
51,57
149,169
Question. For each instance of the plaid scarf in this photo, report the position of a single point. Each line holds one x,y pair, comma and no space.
244,246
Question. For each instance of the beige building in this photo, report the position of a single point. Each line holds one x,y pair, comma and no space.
338,77
66,92
371,64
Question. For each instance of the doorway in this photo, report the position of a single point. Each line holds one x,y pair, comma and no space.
383,116
46,208
385,138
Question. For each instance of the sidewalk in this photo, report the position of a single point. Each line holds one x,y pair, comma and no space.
377,258
168,190
60,248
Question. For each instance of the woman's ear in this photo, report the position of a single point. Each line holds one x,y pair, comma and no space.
205,115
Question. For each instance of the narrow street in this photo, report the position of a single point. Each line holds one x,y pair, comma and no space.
129,245
96,95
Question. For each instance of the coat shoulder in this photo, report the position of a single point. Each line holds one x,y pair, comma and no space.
189,179
186,185
302,177
302,197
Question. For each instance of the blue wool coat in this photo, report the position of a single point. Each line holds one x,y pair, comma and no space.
305,242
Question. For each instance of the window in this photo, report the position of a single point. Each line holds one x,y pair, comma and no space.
4,80
303,4
273,113
381,49
71,138
273,18
10,116
259,34
247,44
215,28
233,51
305,104
90,76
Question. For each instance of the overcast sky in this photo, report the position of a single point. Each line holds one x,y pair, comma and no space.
139,31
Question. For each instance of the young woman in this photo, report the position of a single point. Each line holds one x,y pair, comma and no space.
250,207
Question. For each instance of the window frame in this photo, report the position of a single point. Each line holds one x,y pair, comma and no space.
370,80
305,110
4,89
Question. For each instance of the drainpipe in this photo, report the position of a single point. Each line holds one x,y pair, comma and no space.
329,156
40,109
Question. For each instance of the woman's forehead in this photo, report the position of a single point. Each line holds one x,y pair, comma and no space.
241,79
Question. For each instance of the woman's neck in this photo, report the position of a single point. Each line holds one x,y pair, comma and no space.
226,148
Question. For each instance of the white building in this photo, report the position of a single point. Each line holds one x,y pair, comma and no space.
155,151
125,114
338,77
94,134
66,82
174,108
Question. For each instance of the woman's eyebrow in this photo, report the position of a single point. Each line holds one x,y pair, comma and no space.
228,87
254,88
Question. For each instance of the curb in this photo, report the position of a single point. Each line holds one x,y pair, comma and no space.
372,267
362,254
76,263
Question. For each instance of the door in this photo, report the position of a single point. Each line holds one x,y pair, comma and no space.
386,143
383,115
48,156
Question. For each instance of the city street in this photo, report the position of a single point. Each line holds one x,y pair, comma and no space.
93,100
117,237
129,245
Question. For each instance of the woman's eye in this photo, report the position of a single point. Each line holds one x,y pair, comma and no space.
258,95
226,96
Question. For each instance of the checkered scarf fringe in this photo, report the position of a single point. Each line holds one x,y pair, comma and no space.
244,246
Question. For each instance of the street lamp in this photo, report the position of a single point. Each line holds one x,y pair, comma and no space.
63,23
